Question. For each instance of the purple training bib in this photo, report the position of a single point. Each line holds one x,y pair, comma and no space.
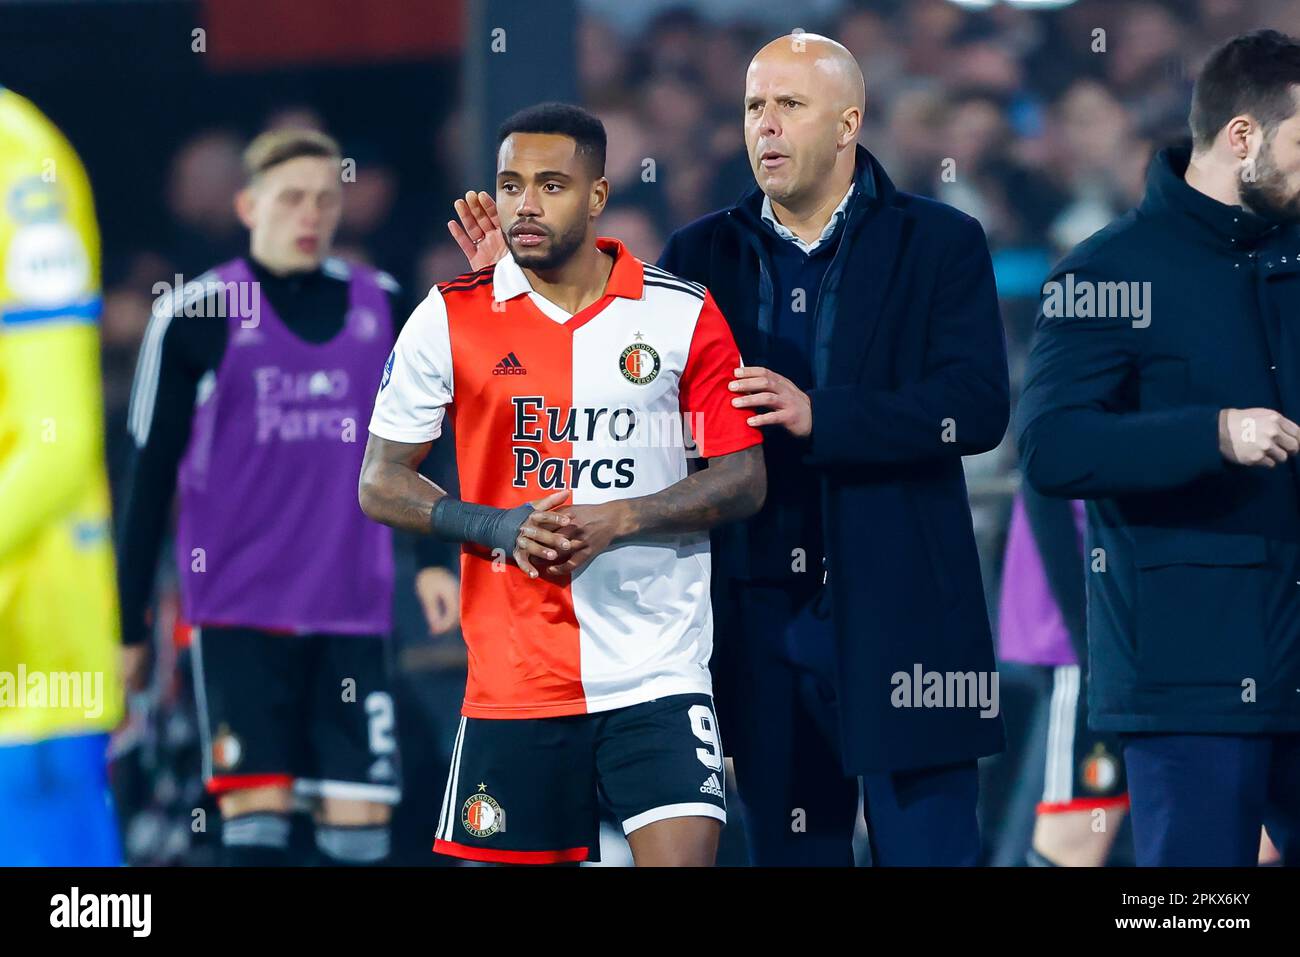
270,534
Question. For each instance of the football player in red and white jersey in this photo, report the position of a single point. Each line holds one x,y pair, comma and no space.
579,381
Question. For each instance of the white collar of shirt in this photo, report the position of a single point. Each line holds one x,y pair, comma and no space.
508,281
770,217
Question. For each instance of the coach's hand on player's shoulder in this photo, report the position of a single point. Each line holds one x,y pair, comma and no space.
787,405
1257,437
592,529
478,234
537,539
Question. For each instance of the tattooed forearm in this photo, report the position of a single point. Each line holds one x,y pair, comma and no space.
391,491
731,488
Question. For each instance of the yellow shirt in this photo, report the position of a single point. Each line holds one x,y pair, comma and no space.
59,626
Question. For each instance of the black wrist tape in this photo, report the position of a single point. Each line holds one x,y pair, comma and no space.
484,525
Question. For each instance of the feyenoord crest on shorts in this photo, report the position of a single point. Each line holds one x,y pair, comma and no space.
607,404
226,750
1100,770
482,815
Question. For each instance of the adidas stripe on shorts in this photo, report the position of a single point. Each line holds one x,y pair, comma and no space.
530,790
1085,768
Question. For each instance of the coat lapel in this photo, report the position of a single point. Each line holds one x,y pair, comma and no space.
858,298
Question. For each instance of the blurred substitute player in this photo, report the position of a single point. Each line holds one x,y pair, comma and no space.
585,569
59,689
252,385
1042,622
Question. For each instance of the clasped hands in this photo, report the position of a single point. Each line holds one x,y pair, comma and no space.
557,538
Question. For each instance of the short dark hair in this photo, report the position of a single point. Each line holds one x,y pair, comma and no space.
1250,74
279,146
561,119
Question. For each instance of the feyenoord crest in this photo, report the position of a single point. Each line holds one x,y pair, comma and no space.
482,815
639,363
1100,771
226,749
364,323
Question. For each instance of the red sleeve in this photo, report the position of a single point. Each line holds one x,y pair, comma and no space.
719,427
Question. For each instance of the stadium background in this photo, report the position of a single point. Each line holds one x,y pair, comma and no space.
1050,138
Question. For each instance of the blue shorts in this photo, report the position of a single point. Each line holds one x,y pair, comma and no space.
55,806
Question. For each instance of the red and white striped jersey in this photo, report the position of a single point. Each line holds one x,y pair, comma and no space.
610,403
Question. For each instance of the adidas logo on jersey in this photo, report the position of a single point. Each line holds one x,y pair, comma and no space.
510,365
712,786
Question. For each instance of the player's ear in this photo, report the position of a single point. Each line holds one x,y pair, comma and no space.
244,202
599,195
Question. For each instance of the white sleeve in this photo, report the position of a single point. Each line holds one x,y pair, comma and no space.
417,384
